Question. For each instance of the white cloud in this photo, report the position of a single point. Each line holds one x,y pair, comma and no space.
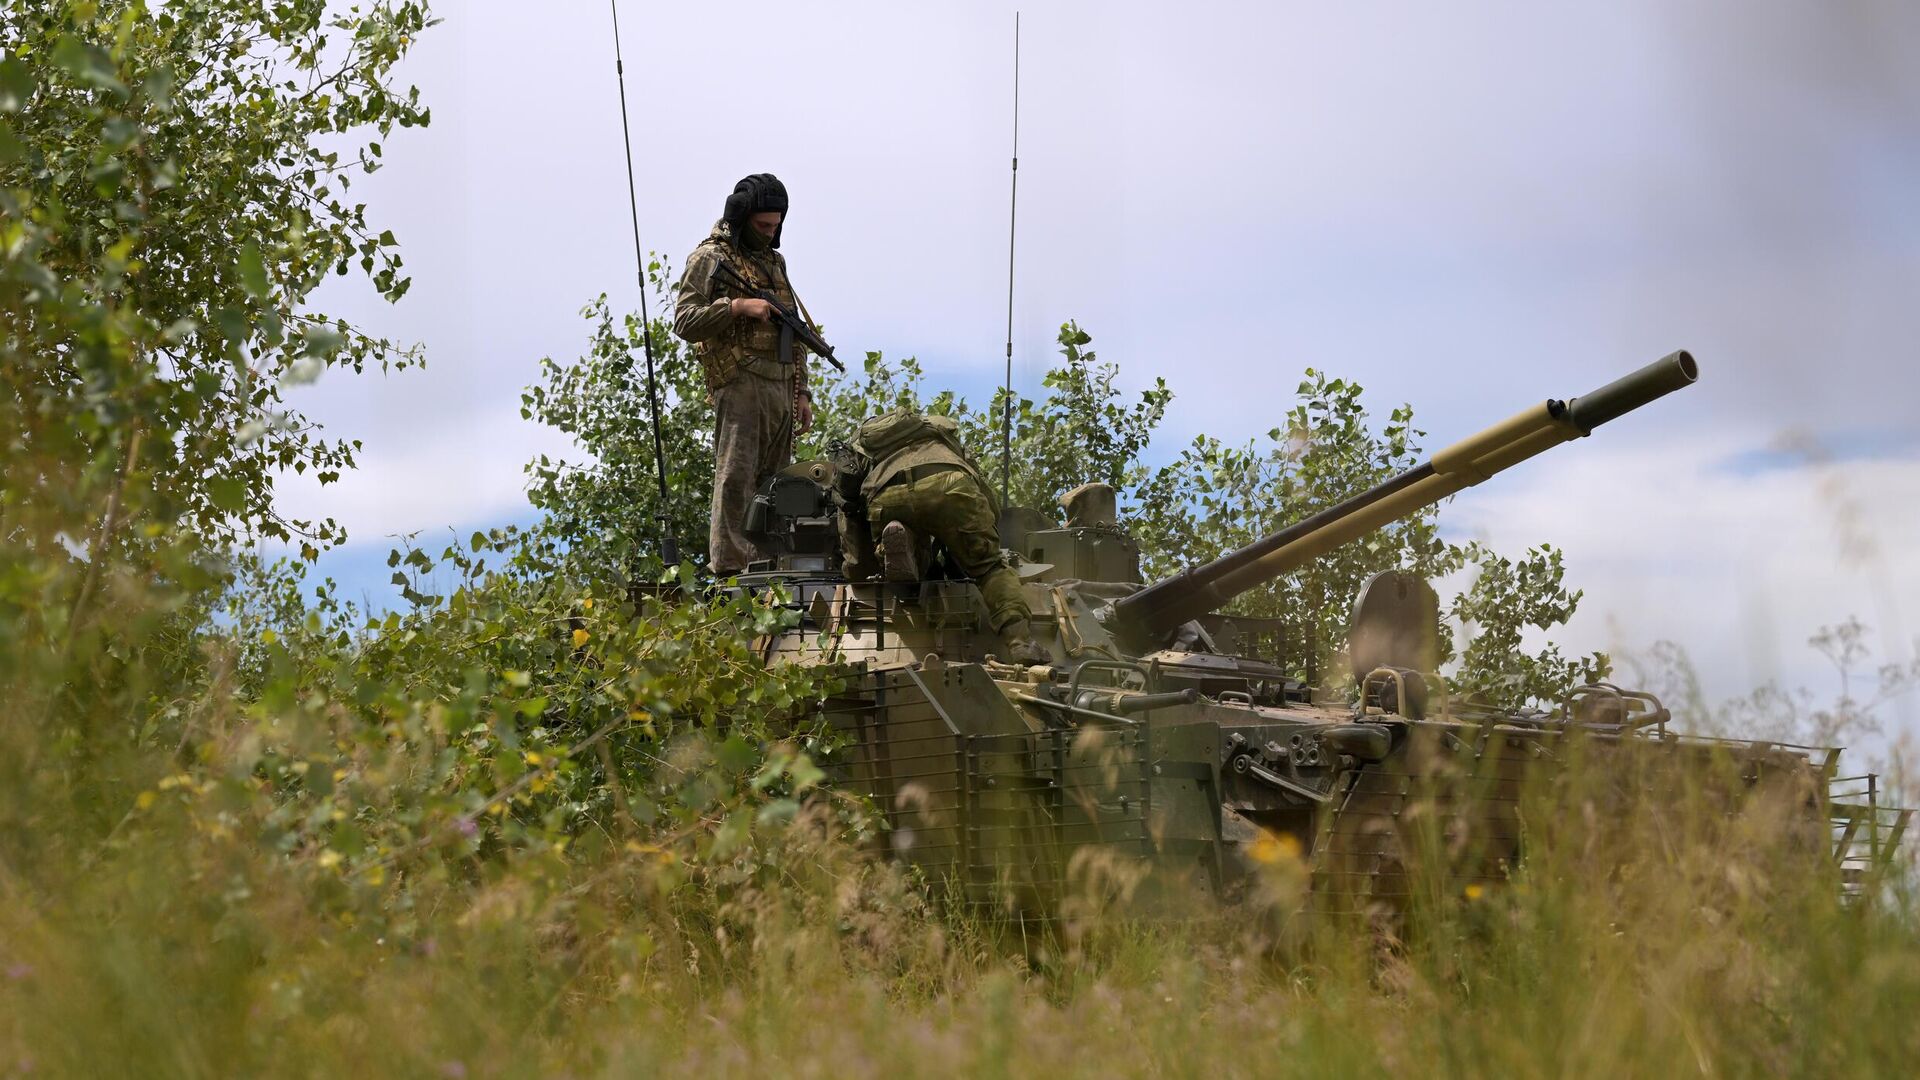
465,472
1739,567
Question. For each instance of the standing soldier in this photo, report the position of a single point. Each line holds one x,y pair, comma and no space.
759,390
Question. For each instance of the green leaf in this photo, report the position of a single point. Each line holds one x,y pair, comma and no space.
770,772
322,341
16,84
348,839
302,371
777,812
228,493
805,774
736,755
158,86
253,270
233,323
91,64
733,833
11,148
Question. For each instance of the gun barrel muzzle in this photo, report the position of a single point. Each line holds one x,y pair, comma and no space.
1627,393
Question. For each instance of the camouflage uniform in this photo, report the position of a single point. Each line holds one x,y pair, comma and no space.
929,486
752,387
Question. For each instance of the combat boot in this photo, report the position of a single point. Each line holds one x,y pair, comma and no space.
899,559
1022,649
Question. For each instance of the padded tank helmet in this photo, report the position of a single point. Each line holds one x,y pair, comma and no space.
756,194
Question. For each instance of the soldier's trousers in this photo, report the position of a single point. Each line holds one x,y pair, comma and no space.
951,507
753,439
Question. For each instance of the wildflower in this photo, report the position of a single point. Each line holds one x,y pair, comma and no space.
144,800
663,856
579,638
1475,891
330,859
1273,848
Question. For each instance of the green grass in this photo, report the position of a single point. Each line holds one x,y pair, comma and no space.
1641,946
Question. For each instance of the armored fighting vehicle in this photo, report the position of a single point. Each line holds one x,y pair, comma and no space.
1158,738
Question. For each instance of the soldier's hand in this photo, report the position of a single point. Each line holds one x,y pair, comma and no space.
803,413
750,307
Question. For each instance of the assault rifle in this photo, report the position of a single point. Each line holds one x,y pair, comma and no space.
792,327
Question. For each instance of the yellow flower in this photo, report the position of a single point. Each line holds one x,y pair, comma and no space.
587,604
376,874
533,757
144,800
659,854
579,638
330,859
1272,848
1475,891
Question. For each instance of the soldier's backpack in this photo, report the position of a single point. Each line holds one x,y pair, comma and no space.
883,437
880,437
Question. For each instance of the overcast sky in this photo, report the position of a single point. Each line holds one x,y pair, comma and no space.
1469,207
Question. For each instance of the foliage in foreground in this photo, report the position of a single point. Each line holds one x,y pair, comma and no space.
1635,940
175,182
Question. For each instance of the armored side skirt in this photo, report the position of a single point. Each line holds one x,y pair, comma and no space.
995,810
1012,810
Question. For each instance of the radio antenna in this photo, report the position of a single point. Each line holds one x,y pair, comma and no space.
1013,207
669,549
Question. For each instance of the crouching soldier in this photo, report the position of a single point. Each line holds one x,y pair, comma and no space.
905,473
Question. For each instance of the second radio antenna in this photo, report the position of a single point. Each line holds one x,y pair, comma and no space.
1013,206
669,548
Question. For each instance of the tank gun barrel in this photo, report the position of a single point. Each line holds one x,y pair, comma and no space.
1193,592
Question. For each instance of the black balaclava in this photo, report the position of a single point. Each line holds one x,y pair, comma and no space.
755,194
